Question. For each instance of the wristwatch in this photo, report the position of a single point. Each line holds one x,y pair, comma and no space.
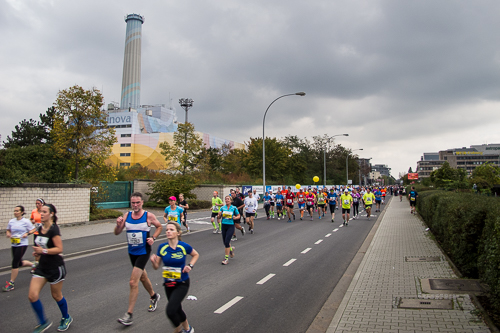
45,251
190,265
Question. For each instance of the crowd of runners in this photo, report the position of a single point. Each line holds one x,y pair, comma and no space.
226,216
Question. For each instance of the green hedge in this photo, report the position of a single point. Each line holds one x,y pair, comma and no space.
193,204
468,228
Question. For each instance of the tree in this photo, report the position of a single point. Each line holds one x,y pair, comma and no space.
277,155
486,176
185,155
32,132
446,175
80,131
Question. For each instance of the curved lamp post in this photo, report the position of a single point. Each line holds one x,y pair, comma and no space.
264,139
324,156
347,166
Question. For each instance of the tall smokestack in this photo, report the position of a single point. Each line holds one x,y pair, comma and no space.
131,80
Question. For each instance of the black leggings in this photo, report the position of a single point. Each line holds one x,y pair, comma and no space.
227,233
267,207
355,208
17,255
175,295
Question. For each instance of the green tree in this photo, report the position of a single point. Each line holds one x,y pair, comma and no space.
486,176
80,132
172,185
277,154
445,176
186,153
32,132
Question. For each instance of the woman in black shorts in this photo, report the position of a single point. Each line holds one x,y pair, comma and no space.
51,269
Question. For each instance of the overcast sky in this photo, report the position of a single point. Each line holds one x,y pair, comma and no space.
401,77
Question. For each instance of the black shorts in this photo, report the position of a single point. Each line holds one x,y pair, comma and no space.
279,207
378,201
346,210
249,214
139,261
272,204
332,208
321,205
368,206
17,255
412,203
215,214
310,206
53,276
290,206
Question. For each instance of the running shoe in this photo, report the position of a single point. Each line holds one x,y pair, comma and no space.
319,217
294,217
234,238
243,231
153,302
42,327
268,217
225,262
343,222
218,231
278,218
311,218
9,286
190,330
346,223
65,322
231,251
255,214
251,231
215,231
289,220
126,319
301,218
323,215
332,220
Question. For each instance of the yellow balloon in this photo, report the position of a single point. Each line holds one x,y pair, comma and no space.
316,179
297,186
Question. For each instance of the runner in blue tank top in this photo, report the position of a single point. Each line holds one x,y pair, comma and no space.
138,224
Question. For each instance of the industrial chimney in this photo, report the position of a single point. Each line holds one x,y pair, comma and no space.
131,80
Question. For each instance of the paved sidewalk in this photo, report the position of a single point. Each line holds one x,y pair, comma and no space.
384,277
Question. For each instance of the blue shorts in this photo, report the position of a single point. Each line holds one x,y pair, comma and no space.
302,205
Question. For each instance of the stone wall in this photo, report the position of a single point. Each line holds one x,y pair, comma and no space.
203,192
71,201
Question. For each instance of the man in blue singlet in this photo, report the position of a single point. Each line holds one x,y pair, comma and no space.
138,224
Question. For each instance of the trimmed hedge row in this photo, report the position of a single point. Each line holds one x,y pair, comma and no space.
468,228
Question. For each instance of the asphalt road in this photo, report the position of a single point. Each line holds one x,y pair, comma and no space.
278,281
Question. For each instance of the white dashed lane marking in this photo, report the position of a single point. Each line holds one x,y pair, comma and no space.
306,250
317,242
289,262
228,305
335,230
264,280
328,235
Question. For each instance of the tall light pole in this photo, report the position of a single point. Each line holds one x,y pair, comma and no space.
347,166
186,104
324,156
264,139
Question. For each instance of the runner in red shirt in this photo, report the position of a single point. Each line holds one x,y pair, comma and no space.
289,198
301,200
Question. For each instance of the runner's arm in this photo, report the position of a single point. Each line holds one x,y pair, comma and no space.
193,261
154,221
120,223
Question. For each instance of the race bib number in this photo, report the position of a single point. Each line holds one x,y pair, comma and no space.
368,200
355,199
42,241
172,273
301,200
346,201
227,215
214,208
134,238
289,201
412,199
14,240
173,218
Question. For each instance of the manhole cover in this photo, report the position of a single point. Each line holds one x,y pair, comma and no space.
455,284
412,303
422,259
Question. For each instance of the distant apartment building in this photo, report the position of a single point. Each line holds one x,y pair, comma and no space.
383,169
463,158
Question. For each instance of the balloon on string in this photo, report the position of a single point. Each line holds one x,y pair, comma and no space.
297,186
316,179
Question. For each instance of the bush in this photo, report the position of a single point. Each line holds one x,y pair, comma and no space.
104,214
193,204
172,185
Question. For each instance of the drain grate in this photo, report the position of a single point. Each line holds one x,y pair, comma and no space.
413,303
455,285
422,259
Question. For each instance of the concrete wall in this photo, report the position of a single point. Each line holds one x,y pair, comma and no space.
203,192
71,201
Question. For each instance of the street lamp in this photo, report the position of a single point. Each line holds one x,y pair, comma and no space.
264,139
347,166
324,156
186,104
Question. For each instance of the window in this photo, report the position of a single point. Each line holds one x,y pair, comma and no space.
125,145
124,154
126,135
124,164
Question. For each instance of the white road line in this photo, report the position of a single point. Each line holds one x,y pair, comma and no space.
340,226
264,280
328,235
335,230
318,242
306,250
228,304
289,262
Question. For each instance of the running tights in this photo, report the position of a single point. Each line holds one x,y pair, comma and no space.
175,295
267,207
355,208
227,233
